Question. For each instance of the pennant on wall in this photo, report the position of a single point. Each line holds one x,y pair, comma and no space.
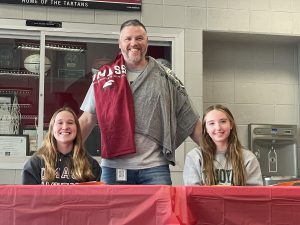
122,5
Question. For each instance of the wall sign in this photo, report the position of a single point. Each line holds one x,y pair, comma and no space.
122,5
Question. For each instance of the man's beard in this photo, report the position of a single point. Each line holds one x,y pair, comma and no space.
134,58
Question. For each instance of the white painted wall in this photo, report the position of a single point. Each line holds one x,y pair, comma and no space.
194,16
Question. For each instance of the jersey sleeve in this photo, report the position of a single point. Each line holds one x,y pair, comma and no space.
187,117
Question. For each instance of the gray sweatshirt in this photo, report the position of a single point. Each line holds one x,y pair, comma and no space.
193,169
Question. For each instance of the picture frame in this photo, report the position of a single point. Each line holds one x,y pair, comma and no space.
31,132
71,65
14,145
6,99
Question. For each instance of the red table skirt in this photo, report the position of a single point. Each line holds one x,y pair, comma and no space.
143,205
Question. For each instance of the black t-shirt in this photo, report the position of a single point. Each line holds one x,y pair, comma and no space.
34,168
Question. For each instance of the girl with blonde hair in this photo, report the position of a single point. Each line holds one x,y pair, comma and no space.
220,159
62,158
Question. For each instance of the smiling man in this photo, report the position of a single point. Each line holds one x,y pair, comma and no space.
144,115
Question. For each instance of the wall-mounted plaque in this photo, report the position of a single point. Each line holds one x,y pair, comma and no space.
13,145
71,64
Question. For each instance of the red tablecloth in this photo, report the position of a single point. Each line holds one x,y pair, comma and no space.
221,205
85,205
153,205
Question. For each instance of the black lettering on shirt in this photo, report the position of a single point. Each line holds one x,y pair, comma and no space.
223,176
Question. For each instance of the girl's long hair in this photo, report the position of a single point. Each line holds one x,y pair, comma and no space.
79,165
234,151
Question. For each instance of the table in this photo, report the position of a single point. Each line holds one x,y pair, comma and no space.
148,205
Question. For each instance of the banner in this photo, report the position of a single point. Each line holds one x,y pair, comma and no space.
122,5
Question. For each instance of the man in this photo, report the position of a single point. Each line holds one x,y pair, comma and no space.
157,105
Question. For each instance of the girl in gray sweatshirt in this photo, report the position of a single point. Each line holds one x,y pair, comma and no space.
220,160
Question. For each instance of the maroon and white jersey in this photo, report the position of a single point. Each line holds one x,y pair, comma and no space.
115,109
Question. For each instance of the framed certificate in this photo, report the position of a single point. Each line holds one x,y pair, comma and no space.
14,145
